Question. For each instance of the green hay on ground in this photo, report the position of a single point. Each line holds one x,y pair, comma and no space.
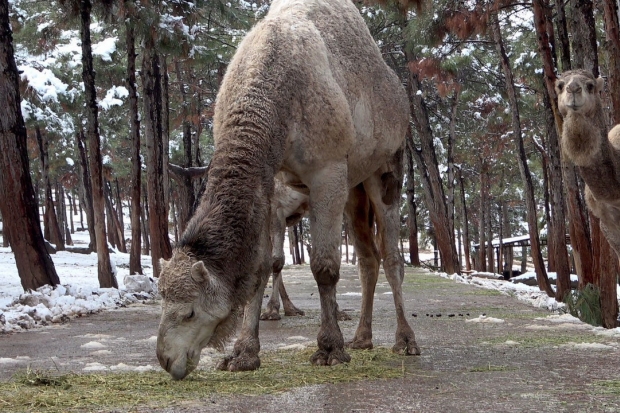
607,387
48,391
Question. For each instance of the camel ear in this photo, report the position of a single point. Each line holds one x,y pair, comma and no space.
163,263
199,272
600,82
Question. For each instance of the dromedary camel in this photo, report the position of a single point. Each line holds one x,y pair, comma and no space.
308,95
584,142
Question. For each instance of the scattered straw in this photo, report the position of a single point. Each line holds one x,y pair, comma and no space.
281,370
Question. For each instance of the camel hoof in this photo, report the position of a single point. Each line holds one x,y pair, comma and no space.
293,312
342,316
270,316
360,344
323,358
239,363
407,348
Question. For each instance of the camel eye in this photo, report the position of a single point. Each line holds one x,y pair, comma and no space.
590,87
190,315
560,86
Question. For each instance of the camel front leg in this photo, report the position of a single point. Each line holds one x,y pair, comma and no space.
327,198
245,352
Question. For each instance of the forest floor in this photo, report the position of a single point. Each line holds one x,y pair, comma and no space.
516,358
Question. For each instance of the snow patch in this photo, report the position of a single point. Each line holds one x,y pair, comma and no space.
485,319
93,344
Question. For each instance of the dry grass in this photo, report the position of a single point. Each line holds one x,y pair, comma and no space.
48,391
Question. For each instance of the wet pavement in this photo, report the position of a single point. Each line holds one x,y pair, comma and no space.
522,362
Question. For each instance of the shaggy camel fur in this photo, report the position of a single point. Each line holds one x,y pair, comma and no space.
308,95
596,156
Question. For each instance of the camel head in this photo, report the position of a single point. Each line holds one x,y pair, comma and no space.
196,313
577,92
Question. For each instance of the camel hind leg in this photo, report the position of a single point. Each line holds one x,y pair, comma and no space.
359,214
384,192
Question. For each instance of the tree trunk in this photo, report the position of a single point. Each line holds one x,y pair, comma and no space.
482,221
301,242
296,243
107,279
144,213
135,254
86,193
558,203
116,226
158,218
63,214
71,212
412,221
562,29
51,219
186,186
490,256
612,41
165,137
507,231
539,266
583,40
426,160
21,224
465,224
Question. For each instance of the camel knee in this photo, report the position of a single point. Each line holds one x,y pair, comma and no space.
277,264
393,265
326,271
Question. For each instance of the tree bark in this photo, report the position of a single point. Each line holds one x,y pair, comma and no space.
465,224
115,224
135,254
21,224
612,40
482,221
158,218
562,29
51,219
583,30
426,161
554,122
86,191
412,221
107,279
186,186
539,266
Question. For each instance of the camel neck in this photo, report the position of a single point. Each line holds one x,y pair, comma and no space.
234,209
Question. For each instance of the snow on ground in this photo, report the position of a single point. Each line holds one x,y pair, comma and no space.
79,292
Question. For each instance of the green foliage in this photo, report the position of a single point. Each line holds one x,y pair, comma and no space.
585,304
